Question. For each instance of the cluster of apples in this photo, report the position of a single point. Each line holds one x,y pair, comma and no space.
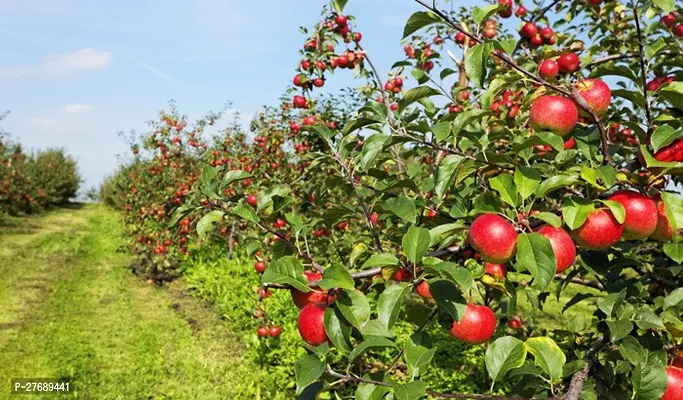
671,153
567,63
669,20
657,82
263,331
507,105
537,37
617,133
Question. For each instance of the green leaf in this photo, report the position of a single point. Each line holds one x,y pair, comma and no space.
367,391
479,15
673,299
402,206
358,249
206,223
418,357
418,21
245,212
553,183
674,212
575,211
610,303
390,302
475,63
338,329
549,218
507,44
674,251
666,5
416,243
375,327
324,132
467,117
415,94
442,130
632,351
663,136
646,319
446,173
287,271
336,276
307,370
504,354
458,274
354,306
370,343
619,329
339,5
649,381
547,355
380,260
617,210
409,391
371,149
577,323
673,93
233,176
527,180
535,254
541,138
448,297
505,186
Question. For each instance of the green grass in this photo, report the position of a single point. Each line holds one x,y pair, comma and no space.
71,308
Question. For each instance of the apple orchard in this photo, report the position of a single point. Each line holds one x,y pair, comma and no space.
512,154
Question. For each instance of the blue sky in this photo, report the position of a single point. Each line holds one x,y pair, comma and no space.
73,73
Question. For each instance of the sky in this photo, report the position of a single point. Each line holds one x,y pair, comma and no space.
74,73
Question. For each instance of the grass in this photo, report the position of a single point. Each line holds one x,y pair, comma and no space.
71,308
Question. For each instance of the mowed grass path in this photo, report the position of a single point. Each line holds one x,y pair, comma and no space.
70,307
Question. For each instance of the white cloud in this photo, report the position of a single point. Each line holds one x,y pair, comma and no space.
63,64
77,108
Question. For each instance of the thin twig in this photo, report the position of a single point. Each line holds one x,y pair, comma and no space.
643,69
579,378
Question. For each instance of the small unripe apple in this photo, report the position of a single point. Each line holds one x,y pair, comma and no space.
260,266
316,296
562,245
568,63
600,231
674,386
423,290
498,271
311,325
554,114
515,322
493,237
641,214
663,232
596,93
548,69
476,326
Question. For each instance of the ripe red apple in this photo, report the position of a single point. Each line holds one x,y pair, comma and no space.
568,63
596,93
311,325
521,11
507,11
423,290
562,245
341,20
493,237
674,386
669,20
678,30
262,331
299,101
569,143
373,218
274,331
515,322
477,325
529,30
402,275
547,34
260,266
252,200
548,69
641,214
600,231
554,114
460,38
315,296
663,232
498,271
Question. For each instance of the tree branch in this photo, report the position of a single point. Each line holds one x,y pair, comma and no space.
643,69
579,378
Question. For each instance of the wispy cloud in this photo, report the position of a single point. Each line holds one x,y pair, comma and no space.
156,71
76,108
63,64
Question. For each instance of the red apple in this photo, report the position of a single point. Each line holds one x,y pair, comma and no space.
493,237
547,34
477,325
311,325
259,266
529,30
521,11
262,331
674,386
678,30
460,38
316,296
507,11
274,331
402,275
596,93
299,101
548,69
562,245
252,200
663,232
600,231
669,20
423,290
515,322
641,214
498,271
568,63
553,114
